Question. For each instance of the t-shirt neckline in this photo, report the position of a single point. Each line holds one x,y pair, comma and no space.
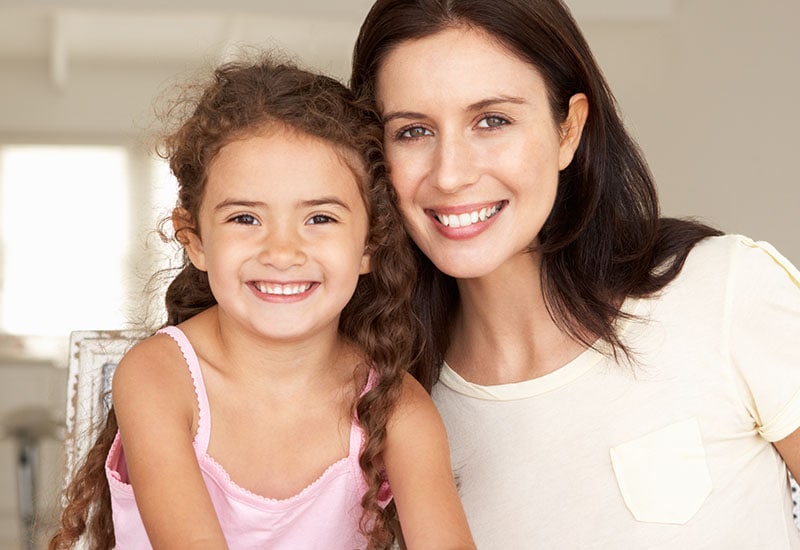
559,378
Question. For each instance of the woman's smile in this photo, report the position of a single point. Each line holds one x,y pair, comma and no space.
464,217
473,149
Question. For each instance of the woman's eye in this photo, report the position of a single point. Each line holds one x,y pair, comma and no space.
245,219
320,218
492,122
414,132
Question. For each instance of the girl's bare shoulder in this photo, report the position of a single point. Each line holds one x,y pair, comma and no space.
153,371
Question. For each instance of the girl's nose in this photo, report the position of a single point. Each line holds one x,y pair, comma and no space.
282,250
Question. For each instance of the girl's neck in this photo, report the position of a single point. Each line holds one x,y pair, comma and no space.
280,367
503,332
294,397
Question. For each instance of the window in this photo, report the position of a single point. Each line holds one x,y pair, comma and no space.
71,256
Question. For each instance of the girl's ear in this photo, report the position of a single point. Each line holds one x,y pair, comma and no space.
572,128
187,234
366,261
366,266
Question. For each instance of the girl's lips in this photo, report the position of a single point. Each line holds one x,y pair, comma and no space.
457,218
282,289
283,292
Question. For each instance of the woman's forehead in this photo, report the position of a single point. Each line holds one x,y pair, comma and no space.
453,65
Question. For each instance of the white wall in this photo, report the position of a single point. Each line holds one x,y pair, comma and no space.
711,95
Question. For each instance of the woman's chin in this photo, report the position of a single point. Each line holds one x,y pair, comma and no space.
462,266
504,264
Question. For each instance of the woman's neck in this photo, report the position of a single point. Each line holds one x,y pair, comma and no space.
503,332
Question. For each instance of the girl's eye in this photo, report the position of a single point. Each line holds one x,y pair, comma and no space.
245,219
413,132
320,218
492,121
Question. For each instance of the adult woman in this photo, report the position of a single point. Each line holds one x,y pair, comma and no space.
610,378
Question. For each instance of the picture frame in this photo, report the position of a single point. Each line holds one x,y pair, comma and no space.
93,356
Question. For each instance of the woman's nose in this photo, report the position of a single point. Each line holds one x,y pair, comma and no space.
282,250
455,166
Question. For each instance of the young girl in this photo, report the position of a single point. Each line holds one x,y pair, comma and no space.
275,407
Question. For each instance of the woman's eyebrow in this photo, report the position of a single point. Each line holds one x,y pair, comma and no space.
489,101
477,106
401,114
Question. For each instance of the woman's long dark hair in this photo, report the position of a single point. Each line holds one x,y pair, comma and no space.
604,239
240,100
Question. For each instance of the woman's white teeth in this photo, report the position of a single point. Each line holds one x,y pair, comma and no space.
283,290
468,218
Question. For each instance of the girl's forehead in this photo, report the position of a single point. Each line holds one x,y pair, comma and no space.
280,166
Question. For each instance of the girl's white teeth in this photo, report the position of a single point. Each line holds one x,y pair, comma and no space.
283,290
468,218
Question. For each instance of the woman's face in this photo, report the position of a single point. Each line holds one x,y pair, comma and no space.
472,146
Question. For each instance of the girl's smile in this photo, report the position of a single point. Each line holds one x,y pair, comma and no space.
270,291
282,234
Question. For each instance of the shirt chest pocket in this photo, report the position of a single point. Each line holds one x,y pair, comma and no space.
663,476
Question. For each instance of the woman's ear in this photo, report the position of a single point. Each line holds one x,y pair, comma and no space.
572,128
187,234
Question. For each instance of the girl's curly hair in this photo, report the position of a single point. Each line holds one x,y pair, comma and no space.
243,98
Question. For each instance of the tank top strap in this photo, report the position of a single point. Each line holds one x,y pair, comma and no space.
356,432
203,434
357,438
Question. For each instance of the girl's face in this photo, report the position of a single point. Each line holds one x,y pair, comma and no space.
472,146
282,234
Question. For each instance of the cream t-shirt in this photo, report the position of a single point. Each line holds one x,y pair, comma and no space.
671,453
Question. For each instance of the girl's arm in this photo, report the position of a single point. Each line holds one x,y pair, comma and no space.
155,405
417,461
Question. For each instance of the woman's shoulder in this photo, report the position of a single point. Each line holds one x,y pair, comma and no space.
734,254
731,268
721,246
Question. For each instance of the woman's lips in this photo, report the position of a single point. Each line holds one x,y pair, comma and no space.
465,222
467,217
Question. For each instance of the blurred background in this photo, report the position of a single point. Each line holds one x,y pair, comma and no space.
708,87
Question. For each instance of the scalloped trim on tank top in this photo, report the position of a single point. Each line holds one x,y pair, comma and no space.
200,393
347,463
343,465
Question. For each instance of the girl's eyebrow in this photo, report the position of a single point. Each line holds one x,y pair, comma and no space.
321,201
477,106
325,201
238,203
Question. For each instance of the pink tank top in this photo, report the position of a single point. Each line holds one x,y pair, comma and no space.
323,515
